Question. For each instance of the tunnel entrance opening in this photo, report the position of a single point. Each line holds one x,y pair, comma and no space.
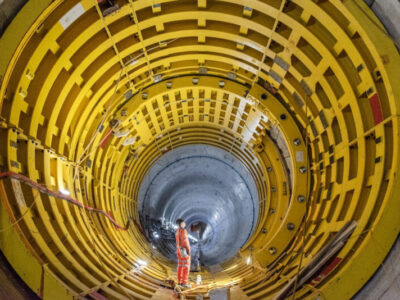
211,190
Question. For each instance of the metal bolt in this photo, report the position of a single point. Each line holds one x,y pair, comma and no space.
303,170
301,198
264,230
283,117
296,142
264,96
269,169
272,250
169,84
290,226
272,210
195,80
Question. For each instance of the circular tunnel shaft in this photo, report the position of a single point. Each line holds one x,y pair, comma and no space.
116,116
211,190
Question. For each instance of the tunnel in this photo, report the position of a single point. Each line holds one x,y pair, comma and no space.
207,188
271,127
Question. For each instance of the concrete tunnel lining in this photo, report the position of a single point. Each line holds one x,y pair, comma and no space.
201,183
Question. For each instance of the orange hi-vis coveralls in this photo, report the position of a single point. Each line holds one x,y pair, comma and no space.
182,241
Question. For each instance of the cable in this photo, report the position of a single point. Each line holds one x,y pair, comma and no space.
19,219
92,239
85,155
85,208
79,160
59,195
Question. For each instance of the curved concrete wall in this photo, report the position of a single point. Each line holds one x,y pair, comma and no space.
8,10
200,183
385,284
388,12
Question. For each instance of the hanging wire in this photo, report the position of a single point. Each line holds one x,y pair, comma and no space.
92,239
43,189
239,112
20,218
85,155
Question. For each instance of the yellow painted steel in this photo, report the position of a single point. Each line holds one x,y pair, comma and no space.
175,73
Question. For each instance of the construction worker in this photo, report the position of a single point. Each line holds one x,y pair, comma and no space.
183,253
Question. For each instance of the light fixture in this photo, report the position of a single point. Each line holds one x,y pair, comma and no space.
128,141
232,267
121,133
248,260
64,192
192,238
198,279
141,263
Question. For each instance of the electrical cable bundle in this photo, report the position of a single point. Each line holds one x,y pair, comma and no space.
59,195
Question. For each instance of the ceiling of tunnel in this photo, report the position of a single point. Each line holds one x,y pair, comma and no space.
299,97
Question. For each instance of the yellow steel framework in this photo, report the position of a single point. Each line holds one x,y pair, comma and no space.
172,73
